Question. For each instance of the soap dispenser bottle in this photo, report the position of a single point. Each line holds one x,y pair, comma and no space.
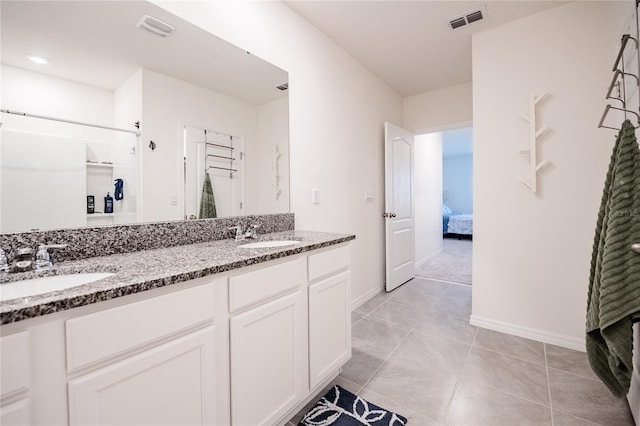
108,204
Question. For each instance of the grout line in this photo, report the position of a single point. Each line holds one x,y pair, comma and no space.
546,370
455,386
442,281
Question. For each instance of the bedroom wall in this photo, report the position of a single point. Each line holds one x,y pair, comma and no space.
457,182
427,196
337,113
439,109
532,251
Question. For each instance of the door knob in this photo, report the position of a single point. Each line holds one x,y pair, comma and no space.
635,247
392,215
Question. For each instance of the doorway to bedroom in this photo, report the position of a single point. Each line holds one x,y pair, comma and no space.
444,205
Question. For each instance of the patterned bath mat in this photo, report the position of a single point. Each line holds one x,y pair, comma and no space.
339,407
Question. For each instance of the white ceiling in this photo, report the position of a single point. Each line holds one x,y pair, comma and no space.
97,43
408,44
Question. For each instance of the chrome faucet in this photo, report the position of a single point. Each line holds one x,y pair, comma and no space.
23,261
252,231
4,263
44,259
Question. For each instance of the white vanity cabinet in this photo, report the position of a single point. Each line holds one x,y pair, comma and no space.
161,384
246,347
14,379
268,342
329,313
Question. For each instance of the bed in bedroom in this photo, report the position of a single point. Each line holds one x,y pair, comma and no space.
454,224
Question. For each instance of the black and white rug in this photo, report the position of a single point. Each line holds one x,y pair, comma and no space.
339,407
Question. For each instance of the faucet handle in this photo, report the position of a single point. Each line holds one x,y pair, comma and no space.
4,263
43,257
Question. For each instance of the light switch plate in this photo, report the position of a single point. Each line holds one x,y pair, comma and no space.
315,196
368,195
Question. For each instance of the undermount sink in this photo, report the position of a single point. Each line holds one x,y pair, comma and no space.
36,286
269,244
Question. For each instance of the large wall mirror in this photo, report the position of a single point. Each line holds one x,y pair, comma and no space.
213,119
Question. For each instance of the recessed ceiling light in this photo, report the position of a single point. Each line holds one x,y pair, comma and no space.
155,26
38,60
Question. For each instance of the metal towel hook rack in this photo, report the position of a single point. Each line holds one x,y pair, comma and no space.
619,83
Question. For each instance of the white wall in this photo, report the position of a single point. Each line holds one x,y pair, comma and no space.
273,129
427,193
439,109
532,252
457,182
36,93
337,111
168,102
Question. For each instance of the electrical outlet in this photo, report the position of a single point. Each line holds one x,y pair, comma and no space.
368,195
315,196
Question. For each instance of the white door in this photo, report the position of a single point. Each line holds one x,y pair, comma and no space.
398,203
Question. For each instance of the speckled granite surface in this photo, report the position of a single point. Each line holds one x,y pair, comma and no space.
148,269
99,241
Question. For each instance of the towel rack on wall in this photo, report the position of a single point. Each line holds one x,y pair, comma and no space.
218,157
617,90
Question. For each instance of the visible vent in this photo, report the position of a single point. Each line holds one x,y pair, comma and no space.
468,18
283,87
474,16
155,26
457,23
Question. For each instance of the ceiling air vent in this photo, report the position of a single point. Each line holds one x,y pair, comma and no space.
283,87
155,26
468,18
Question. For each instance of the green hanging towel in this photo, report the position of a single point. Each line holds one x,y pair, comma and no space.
614,282
208,202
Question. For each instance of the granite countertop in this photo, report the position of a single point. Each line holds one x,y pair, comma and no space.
148,269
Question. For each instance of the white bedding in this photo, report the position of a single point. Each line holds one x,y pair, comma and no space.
461,224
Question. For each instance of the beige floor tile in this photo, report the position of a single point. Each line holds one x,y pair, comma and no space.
440,324
513,346
563,419
355,317
379,333
438,352
570,361
413,418
396,313
430,287
420,387
511,375
365,360
478,405
414,297
587,399
372,303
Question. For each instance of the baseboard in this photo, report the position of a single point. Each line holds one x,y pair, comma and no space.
355,304
428,258
529,333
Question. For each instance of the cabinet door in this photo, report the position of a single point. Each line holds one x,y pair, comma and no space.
172,384
15,414
329,326
268,360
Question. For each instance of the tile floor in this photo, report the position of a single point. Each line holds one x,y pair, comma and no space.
415,353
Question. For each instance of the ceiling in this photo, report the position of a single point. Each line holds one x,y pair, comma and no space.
408,44
97,43
457,142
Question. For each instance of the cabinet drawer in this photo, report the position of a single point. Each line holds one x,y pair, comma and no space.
329,262
253,287
14,363
97,336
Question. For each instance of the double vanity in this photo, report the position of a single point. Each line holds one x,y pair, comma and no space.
226,332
